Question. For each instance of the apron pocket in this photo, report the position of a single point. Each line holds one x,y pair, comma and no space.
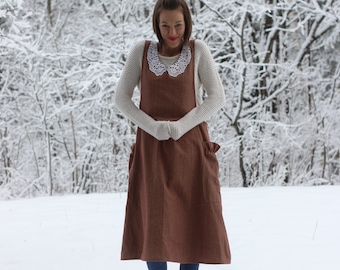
131,188
211,183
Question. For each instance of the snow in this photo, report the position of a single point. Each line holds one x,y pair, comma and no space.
270,228
3,13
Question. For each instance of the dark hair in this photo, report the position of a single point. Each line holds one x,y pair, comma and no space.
171,5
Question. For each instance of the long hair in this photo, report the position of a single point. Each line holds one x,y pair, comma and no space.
171,5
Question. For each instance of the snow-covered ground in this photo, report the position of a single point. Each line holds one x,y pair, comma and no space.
272,228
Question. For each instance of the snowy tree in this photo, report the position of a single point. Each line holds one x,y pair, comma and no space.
60,63
270,58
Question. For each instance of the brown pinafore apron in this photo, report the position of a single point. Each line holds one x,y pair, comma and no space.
174,210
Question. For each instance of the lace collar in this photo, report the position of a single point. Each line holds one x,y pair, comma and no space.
158,68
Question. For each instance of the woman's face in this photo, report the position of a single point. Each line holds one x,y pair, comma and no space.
172,28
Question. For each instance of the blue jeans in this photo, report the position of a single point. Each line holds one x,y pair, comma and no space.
163,266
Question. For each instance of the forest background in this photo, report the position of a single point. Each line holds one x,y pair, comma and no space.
60,62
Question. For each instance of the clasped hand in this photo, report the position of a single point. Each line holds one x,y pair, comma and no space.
168,129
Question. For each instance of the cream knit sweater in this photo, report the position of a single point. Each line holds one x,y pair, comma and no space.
205,75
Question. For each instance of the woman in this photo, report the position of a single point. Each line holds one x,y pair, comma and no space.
174,210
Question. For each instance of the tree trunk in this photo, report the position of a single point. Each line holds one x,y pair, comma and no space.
241,152
49,11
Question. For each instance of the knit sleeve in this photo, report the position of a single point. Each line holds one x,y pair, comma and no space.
123,97
212,84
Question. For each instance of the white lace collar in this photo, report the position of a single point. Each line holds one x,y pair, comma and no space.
158,68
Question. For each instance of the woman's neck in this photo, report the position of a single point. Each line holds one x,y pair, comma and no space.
168,52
